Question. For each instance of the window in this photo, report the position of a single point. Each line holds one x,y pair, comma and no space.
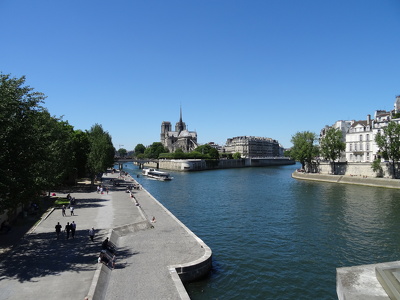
367,137
360,137
355,146
361,146
367,146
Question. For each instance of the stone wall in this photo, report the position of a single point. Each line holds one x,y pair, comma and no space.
202,164
354,169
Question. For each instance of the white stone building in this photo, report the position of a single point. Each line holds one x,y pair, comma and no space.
252,146
359,136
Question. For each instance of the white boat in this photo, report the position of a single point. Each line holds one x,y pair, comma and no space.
153,173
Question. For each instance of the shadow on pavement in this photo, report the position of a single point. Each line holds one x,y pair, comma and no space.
41,254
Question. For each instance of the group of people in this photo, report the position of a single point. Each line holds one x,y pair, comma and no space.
64,209
101,189
69,229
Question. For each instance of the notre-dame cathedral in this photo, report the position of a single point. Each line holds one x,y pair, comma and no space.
181,138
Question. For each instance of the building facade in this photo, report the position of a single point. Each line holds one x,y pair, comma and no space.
251,146
359,136
181,138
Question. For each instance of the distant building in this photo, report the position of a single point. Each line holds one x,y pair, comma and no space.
251,146
359,136
181,138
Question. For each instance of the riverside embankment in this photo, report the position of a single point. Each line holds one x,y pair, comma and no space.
348,179
152,258
187,165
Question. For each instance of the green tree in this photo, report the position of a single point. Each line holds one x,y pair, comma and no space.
377,168
20,142
208,150
56,163
101,151
155,150
388,142
81,147
332,145
139,149
304,149
237,155
122,152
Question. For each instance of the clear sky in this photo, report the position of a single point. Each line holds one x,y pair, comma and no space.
266,68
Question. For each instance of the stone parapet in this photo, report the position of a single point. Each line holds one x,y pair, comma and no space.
359,180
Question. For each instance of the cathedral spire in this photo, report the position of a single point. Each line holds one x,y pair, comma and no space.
181,126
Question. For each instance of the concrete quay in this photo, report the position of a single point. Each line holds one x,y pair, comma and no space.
347,179
152,258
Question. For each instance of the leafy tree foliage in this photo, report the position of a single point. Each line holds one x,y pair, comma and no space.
388,142
304,149
81,146
139,149
237,155
56,162
20,142
377,168
331,146
155,150
101,151
122,152
208,150
38,151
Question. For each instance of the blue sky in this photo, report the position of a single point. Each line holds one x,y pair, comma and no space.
265,68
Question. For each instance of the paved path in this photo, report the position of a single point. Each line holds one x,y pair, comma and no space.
42,267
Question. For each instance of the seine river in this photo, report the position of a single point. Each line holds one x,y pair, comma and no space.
274,237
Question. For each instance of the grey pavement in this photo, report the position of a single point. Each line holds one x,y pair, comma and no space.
42,267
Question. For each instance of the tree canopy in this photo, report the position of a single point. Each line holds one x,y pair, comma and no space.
388,141
331,146
101,151
304,149
122,152
155,150
139,149
38,151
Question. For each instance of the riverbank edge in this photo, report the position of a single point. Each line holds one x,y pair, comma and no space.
180,273
346,179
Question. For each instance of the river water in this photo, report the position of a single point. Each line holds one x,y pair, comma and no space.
274,237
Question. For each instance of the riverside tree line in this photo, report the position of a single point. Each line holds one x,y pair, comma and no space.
306,150
38,151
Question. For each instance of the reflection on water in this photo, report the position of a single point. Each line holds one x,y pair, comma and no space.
274,237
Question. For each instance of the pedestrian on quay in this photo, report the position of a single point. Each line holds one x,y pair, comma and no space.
71,208
67,229
104,245
63,211
91,234
58,229
73,229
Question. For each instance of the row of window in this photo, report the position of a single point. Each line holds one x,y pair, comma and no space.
358,147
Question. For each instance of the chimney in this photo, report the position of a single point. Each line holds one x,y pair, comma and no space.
369,119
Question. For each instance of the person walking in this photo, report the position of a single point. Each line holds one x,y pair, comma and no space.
58,229
73,228
91,234
63,211
71,208
67,229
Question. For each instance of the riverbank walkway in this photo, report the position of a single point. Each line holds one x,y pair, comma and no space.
40,266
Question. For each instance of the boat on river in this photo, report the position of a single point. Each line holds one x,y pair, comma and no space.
159,175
